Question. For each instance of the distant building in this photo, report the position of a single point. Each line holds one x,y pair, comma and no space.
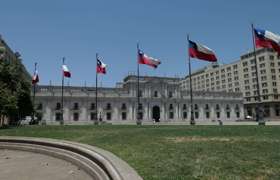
240,76
159,97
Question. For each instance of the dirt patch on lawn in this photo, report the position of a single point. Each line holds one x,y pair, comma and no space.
198,139
218,139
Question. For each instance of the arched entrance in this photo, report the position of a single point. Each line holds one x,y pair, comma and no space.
156,113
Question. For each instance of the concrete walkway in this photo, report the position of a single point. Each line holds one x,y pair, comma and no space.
24,165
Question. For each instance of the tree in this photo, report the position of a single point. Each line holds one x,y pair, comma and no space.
15,89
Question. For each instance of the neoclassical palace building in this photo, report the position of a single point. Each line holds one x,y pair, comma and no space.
161,97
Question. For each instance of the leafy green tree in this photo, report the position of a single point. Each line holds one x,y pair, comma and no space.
15,88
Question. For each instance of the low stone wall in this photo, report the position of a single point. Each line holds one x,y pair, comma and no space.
98,163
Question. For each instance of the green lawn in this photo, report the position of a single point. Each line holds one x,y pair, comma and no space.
180,152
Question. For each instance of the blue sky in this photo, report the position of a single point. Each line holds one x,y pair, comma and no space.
46,31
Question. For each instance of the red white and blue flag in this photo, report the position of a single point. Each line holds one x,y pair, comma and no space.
202,52
267,39
35,77
66,72
100,66
145,59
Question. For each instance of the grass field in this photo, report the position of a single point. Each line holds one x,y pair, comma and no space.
180,152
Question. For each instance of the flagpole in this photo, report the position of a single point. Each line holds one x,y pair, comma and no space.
138,93
192,122
96,93
62,89
259,112
34,91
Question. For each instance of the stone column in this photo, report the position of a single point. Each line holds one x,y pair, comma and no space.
115,113
83,114
213,115
130,111
241,110
272,112
223,112
202,115
162,112
47,115
178,113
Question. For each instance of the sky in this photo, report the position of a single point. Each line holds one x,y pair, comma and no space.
46,31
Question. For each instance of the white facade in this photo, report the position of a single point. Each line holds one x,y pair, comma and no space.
160,96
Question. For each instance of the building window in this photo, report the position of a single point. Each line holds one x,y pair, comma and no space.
108,116
261,58
76,116
123,106
58,106
228,114
170,94
123,115
265,91
92,106
185,115
171,115
170,106
237,114
218,114
264,84
207,115
227,108
245,63
155,94
246,81
265,97
196,107
217,107
263,78
263,71
184,106
108,106
196,115
206,106
93,116
58,117
76,106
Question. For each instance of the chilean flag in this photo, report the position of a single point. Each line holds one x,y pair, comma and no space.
267,39
35,77
66,72
100,67
144,59
200,51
